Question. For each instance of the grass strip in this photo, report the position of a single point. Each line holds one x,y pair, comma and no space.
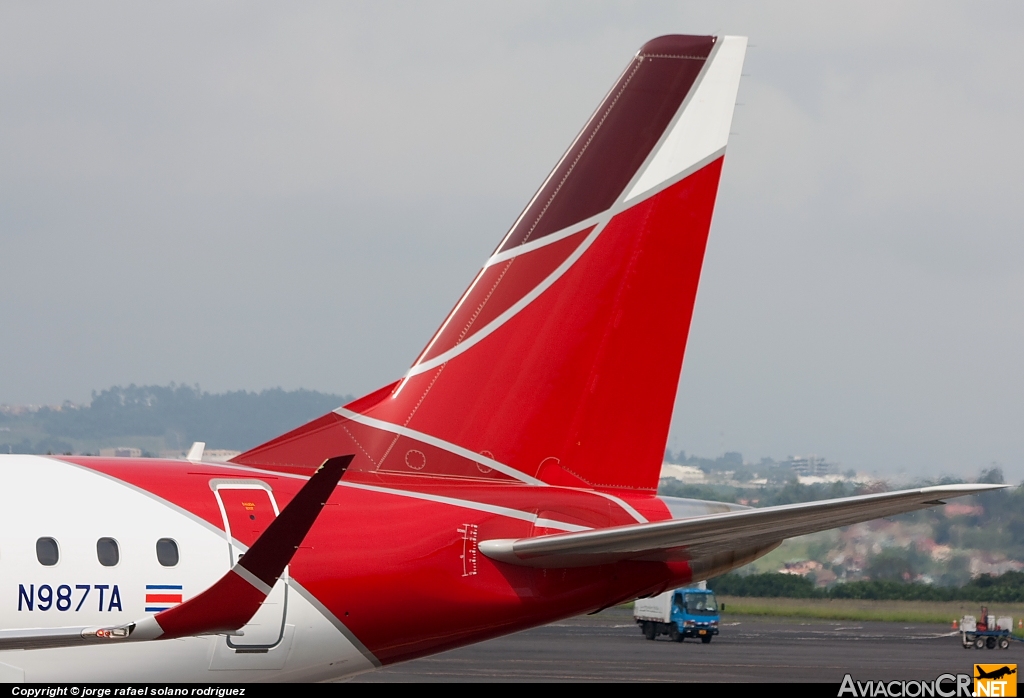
856,609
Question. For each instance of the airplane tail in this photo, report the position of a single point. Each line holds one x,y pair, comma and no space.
560,362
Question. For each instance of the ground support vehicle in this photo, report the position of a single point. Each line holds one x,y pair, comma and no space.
988,633
680,614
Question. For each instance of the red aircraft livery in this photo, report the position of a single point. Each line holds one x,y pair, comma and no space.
507,480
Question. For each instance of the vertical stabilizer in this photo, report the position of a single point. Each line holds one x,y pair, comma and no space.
560,362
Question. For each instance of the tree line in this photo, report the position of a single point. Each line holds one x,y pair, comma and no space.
1007,587
181,414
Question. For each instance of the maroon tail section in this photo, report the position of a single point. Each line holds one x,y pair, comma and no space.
560,363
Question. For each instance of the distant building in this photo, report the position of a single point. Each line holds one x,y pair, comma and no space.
215,455
958,509
800,568
996,568
219,455
121,452
819,479
810,466
19,410
689,474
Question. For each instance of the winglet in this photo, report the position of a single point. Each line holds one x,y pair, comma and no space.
234,599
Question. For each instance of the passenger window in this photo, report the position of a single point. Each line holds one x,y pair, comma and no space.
107,552
167,552
47,552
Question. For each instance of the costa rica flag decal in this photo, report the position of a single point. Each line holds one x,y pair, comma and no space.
160,597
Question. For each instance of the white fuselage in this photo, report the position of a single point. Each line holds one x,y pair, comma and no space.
44,497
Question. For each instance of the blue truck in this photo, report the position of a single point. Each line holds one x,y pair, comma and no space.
680,613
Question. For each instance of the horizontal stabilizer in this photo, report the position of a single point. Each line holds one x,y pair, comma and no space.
232,601
703,536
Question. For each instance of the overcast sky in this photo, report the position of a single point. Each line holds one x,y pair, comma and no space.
247,195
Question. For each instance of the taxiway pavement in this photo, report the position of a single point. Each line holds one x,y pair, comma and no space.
609,647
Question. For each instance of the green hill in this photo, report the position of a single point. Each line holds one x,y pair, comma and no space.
164,418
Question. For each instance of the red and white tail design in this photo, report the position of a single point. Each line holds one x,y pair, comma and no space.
560,362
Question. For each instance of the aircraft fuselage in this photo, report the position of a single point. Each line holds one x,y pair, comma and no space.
389,572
